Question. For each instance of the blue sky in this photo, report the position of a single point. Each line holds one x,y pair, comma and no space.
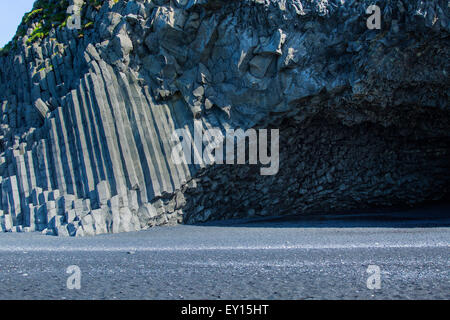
11,13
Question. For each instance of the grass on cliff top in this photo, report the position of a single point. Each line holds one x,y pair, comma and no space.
46,15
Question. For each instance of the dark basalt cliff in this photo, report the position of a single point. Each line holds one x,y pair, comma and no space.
88,114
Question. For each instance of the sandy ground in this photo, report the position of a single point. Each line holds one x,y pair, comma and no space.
320,257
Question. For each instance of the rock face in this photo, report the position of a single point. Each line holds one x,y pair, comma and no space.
88,115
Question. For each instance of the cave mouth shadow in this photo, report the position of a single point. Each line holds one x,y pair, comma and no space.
327,169
427,215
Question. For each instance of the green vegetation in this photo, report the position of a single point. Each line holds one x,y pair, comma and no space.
50,67
46,15
88,25
38,32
